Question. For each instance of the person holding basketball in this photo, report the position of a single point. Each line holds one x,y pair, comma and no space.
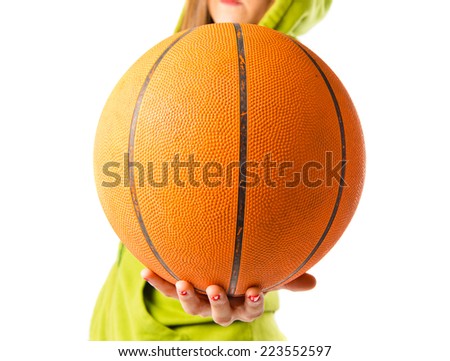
150,308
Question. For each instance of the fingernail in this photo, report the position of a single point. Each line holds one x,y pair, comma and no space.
254,298
183,293
215,298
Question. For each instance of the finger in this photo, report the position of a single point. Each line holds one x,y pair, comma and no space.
160,284
253,306
191,301
303,283
221,311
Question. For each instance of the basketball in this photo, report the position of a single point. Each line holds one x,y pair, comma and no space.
229,155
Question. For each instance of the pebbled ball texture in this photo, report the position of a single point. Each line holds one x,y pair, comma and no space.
231,155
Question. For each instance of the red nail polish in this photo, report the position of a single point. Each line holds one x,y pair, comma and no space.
215,298
254,298
183,293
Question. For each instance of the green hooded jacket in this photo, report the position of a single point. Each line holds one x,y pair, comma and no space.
128,308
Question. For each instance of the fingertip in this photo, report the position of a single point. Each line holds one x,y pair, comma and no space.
216,293
214,289
254,295
146,274
310,280
183,288
182,285
304,282
254,299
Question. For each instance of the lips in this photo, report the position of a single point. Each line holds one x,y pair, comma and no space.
230,2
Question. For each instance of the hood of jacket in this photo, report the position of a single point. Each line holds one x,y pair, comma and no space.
292,17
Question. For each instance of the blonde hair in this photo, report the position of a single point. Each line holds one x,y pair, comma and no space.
195,14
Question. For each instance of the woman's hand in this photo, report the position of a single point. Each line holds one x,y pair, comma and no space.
223,310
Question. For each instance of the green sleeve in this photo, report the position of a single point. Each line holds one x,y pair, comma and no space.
295,17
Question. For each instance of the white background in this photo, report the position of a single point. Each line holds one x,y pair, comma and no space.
383,291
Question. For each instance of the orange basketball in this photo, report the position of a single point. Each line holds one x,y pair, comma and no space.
229,154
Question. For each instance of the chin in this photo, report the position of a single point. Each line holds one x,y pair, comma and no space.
232,17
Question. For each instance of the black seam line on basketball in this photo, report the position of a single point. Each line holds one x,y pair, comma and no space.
242,160
343,156
131,140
